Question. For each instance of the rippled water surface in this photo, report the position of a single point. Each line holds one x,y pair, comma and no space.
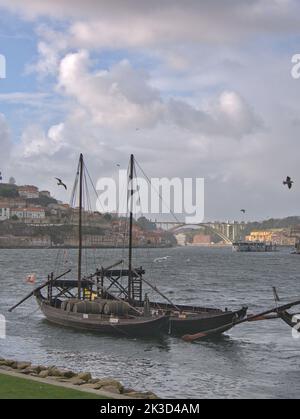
253,360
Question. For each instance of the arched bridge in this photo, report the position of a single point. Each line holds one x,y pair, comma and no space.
228,232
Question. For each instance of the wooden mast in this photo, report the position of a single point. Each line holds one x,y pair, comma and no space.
80,224
131,192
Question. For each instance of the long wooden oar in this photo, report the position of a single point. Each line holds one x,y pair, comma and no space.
37,289
201,335
253,318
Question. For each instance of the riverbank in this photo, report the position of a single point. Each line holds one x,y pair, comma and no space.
26,381
76,247
14,386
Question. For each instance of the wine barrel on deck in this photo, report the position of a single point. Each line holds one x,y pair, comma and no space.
118,308
88,307
79,307
70,304
64,305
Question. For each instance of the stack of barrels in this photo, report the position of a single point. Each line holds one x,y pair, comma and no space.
98,306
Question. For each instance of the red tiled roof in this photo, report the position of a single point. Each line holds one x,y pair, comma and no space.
29,188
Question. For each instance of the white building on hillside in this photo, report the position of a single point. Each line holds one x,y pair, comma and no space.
29,213
4,212
28,192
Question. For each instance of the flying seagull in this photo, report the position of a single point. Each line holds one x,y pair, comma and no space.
289,182
60,183
243,211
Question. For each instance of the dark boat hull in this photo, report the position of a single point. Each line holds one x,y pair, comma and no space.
126,327
197,319
191,320
205,322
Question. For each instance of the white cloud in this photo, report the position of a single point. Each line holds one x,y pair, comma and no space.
35,142
30,99
115,112
122,97
5,142
136,23
6,149
206,101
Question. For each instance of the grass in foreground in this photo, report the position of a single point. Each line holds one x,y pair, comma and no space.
21,388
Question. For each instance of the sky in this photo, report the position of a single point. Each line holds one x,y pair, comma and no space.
200,88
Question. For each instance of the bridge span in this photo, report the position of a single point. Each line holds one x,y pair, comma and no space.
228,232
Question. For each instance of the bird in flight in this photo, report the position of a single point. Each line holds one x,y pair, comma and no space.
60,183
289,182
243,211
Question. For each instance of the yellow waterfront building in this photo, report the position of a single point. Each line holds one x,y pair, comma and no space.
275,236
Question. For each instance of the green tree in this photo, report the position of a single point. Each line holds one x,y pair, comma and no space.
108,217
146,224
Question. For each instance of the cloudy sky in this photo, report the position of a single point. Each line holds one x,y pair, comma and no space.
194,88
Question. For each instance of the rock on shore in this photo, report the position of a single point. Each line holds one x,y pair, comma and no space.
83,379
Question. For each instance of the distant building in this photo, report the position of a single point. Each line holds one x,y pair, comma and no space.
260,236
4,212
275,236
45,193
13,202
33,213
202,239
119,225
28,191
58,209
181,239
295,231
153,238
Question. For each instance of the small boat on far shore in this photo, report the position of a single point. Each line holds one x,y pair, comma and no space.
247,246
297,248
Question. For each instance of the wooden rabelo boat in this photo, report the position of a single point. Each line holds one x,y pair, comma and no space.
102,303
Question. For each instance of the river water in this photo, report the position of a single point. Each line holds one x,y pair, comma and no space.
257,360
